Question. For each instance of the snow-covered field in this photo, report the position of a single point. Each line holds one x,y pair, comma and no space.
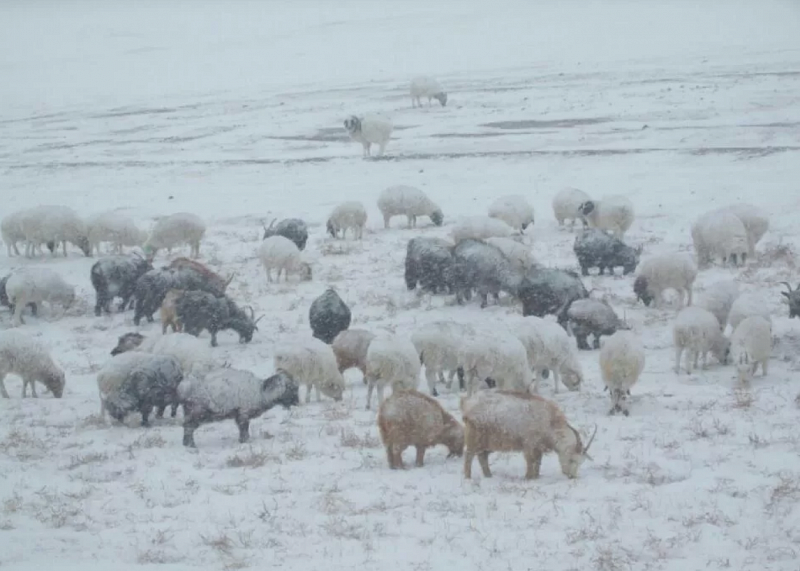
234,111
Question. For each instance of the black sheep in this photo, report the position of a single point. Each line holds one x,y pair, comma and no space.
116,276
484,268
596,249
199,310
152,383
328,316
429,263
550,291
293,229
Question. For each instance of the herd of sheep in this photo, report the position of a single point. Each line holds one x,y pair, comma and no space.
499,368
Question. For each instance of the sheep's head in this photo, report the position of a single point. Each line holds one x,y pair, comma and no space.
352,124
437,217
641,291
441,98
245,325
630,259
586,208
331,228
572,455
127,342
453,438
744,366
572,379
281,389
721,349
55,382
793,297
333,388
305,272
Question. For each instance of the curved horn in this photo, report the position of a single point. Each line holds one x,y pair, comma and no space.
260,317
788,286
271,224
586,448
252,313
230,279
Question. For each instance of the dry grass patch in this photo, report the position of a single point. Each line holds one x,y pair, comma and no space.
349,439
252,458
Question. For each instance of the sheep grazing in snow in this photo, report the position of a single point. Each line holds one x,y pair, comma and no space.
664,271
697,331
550,291
292,228
175,230
11,231
369,130
479,266
35,285
548,348
403,200
480,228
718,299
348,215
719,233
199,310
504,421
756,223
592,317
566,203
611,214
191,352
168,313
596,249
328,316
426,86
391,360
429,263
114,372
116,276
439,346
494,355
232,393
54,225
4,301
410,418
113,227
751,345
151,382
514,210
621,363
791,295
29,359
277,252
746,305
313,364
350,348
518,254
203,278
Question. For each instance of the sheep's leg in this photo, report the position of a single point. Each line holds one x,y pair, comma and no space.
409,221
316,392
483,460
381,148
533,463
3,391
689,301
369,391
420,456
678,352
213,338
764,368
269,275
556,379
33,388
145,411
19,305
469,455
308,393
705,360
160,411
390,457
451,375
430,376
64,244
366,149
386,218
24,388
381,386
244,428
189,426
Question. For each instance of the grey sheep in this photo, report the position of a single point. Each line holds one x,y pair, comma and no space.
151,383
479,266
116,276
592,317
550,291
596,249
328,316
429,263
293,229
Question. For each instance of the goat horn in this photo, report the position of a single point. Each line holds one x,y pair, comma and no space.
789,287
260,317
271,224
586,448
230,279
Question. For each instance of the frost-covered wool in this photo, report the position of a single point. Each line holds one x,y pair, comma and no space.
369,130
11,230
514,210
550,291
482,267
4,301
518,254
480,228
175,230
426,86
496,355
429,263
596,249
792,297
29,359
313,364
116,276
622,361
665,271
718,299
292,228
504,421
34,285
438,344
410,418
277,252
391,360
719,234
192,353
751,345
150,290
198,276
756,223
113,227
614,213
54,225
547,347
350,348
328,316
592,317
168,312
697,331
746,305
114,372
404,200
150,382
348,215
566,203
232,393
199,310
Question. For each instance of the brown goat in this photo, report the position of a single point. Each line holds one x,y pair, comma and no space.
411,418
169,316
212,277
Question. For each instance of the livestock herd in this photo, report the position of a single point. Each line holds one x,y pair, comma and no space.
499,367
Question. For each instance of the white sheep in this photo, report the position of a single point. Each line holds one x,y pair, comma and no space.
277,252
755,220
438,344
751,345
34,285
426,86
621,363
614,213
11,231
350,348
391,360
514,210
192,353
496,355
566,203
548,347
746,305
113,227
480,228
696,330
665,271
719,298
518,254
54,225
29,359
312,363
113,373
369,130
404,200
719,233
175,230
348,215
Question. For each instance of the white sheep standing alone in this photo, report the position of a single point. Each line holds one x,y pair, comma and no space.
614,213
175,230
426,86
113,227
697,331
719,233
518,254
56,225
404,200
621,363
277,252
348,215
756,223
566,203
751,345
514,210
438,344
29,359
480,228
718,298
548,347
496,355
34,285
391,360
665,271
746,305
369,130
312,363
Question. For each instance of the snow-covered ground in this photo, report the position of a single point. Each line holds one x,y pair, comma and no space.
234,111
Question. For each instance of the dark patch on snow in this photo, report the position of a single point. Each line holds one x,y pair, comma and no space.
555,123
